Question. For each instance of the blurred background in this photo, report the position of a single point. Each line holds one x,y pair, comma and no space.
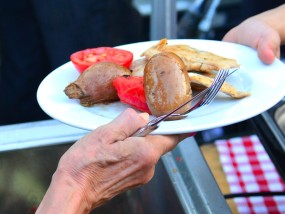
38,36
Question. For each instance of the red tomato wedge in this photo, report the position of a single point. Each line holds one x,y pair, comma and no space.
130,90
85,58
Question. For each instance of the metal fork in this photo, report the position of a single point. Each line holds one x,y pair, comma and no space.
204,98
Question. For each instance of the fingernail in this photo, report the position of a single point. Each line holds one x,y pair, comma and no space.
145,116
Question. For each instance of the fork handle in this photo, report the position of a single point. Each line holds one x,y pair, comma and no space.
142,132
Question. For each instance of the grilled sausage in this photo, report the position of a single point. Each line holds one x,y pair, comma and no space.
166,83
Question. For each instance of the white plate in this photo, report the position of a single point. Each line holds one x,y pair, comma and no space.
264,82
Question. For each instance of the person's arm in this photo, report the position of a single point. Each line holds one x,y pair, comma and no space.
104,164
265,32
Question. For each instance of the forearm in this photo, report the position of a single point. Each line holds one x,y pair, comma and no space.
63,197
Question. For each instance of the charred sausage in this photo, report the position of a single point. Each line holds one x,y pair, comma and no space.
166,83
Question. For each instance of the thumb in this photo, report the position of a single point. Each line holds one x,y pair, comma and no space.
127,123
269,48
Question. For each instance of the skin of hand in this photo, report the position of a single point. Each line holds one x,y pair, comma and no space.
264,32
105,163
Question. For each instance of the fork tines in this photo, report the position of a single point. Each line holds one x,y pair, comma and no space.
216,86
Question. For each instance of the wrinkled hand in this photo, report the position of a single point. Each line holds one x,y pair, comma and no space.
264,32
105,163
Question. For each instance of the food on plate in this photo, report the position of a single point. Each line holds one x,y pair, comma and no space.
198,80
194,59
166,83
95,84
85,58
201,65
157,83
206,81
130,90
137,67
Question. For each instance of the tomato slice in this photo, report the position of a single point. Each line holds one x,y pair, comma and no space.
130,90
85,58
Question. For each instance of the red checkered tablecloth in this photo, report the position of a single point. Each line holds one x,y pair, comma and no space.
248,168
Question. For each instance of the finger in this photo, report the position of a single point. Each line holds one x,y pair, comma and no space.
266,55
230,36
127,123
269,48
165,143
